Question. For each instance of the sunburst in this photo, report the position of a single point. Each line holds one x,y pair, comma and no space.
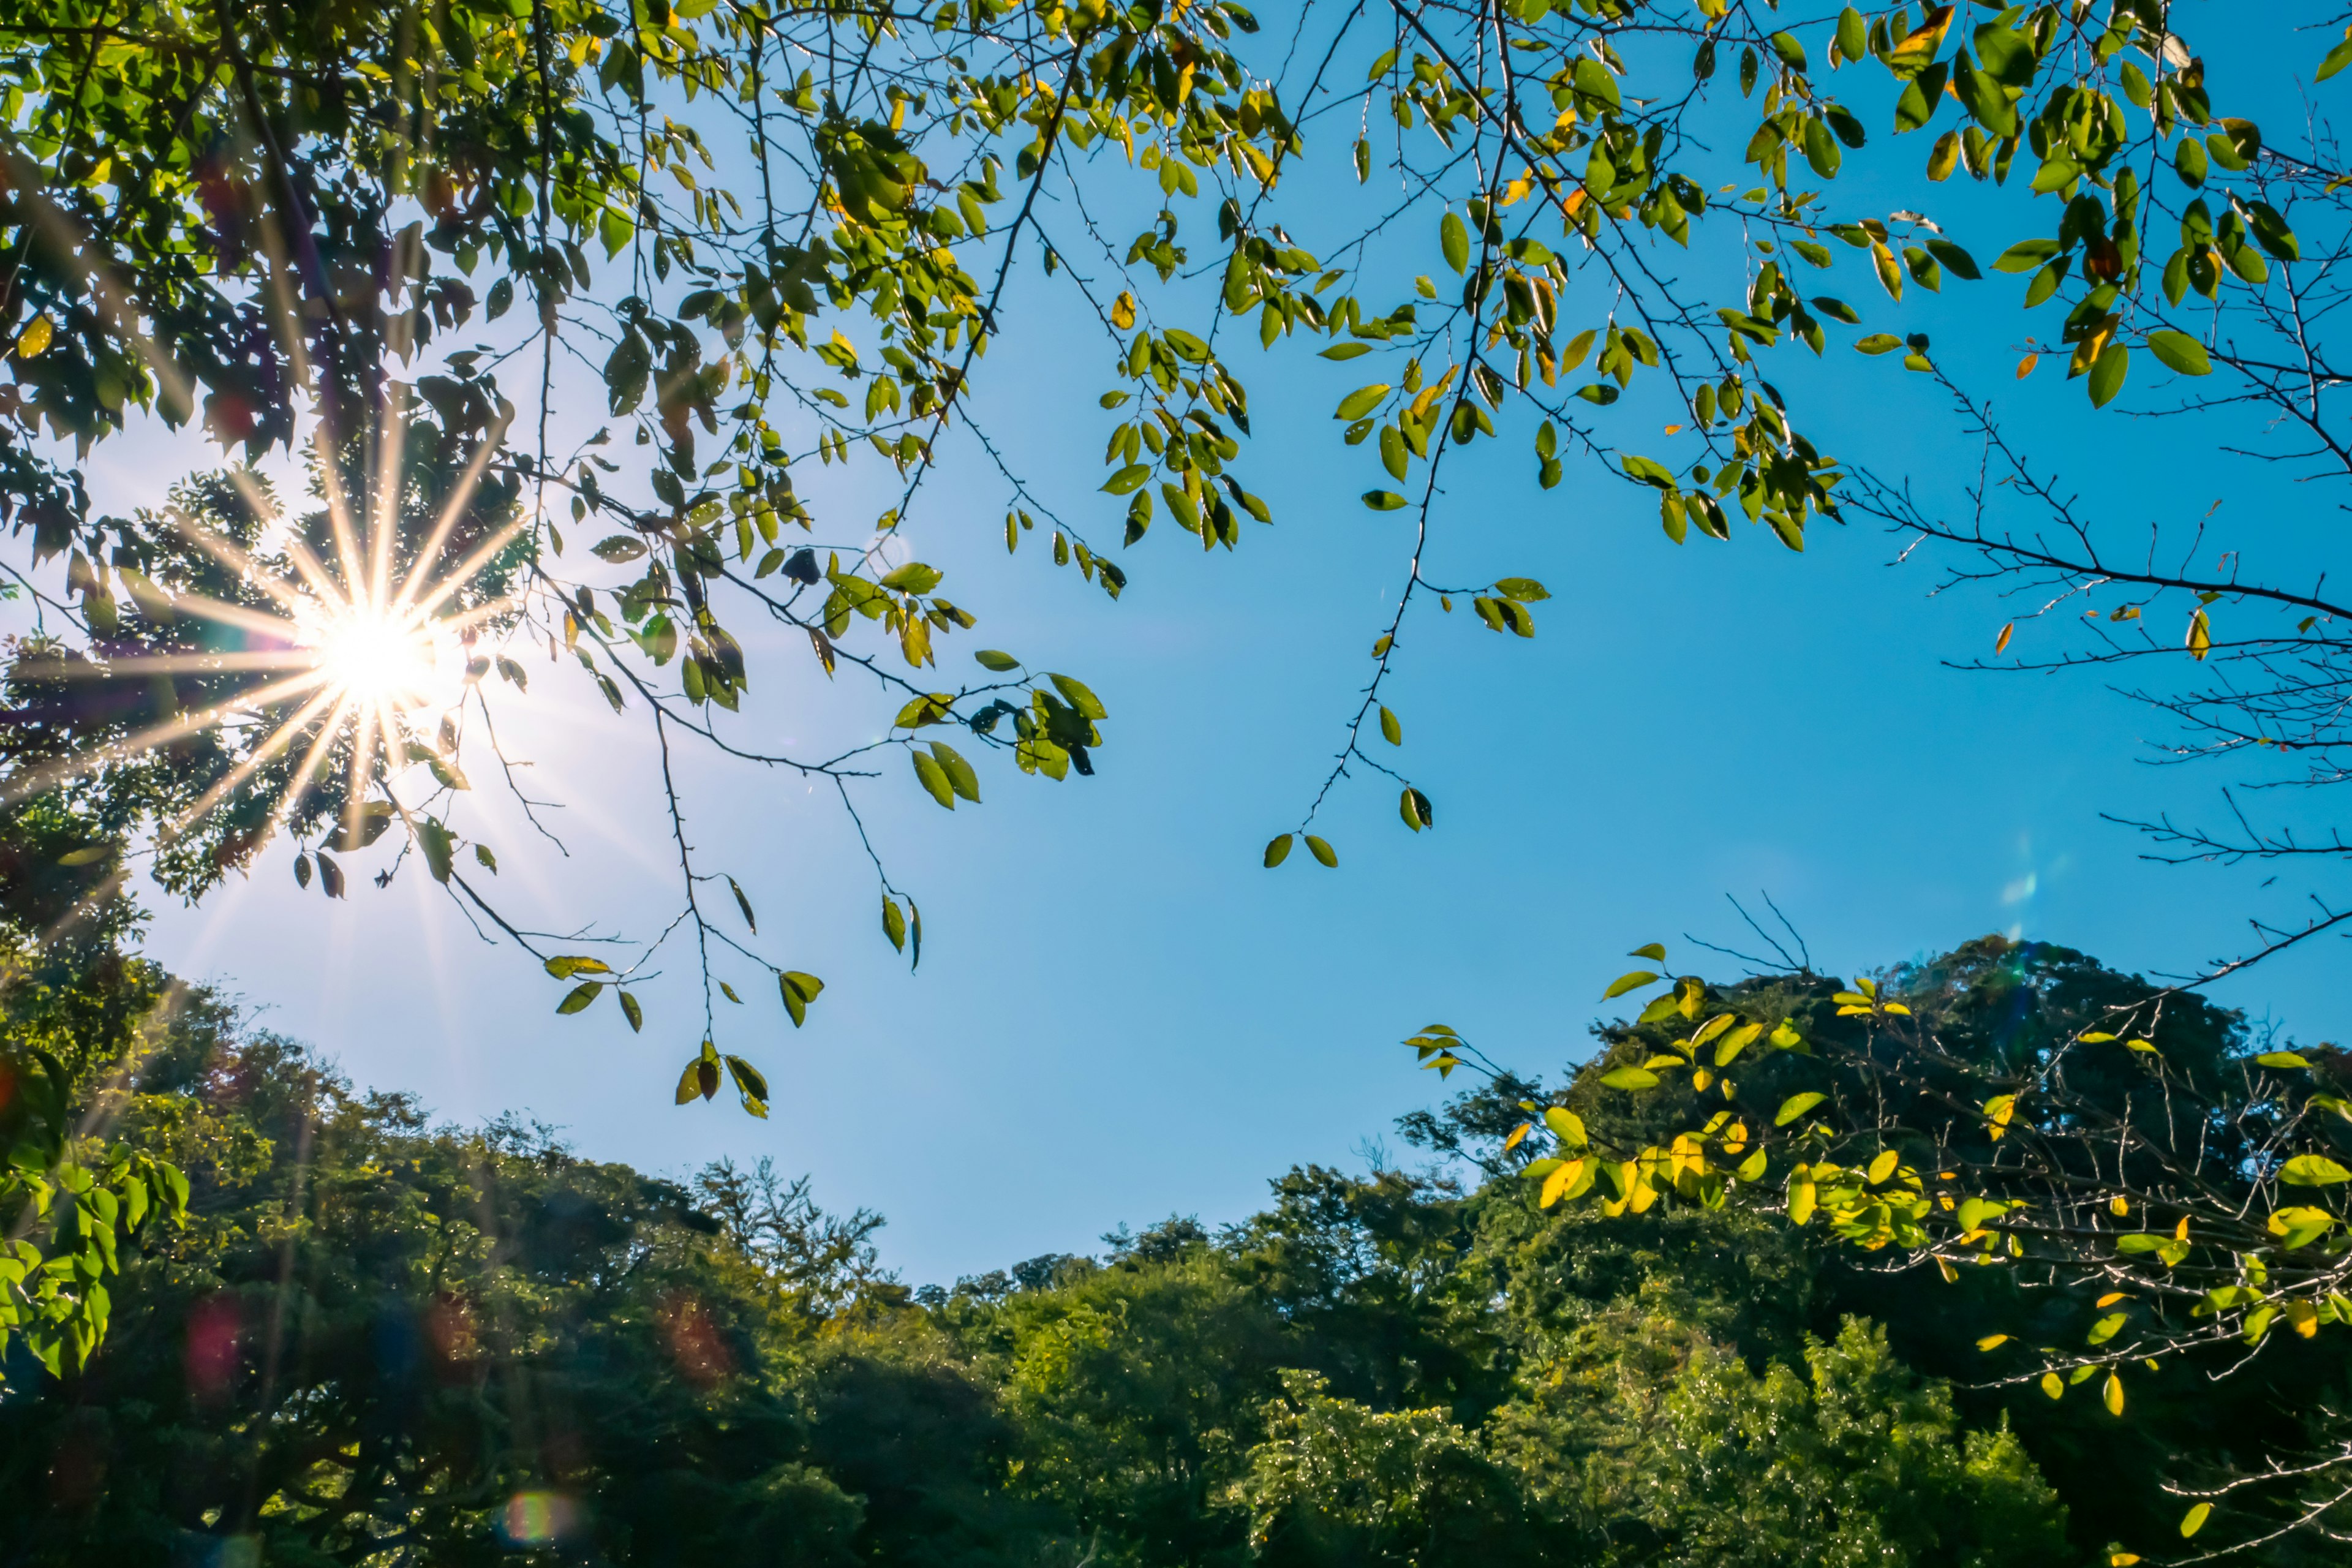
355,651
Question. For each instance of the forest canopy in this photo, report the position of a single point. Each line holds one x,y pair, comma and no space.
380,1339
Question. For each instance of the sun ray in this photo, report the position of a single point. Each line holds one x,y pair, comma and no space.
471,567
234,556
224,663
68,769
460,494
362,759
277,741
349,551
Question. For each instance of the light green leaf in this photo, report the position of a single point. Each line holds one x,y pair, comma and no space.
2312,1171
2181,352
1796,1105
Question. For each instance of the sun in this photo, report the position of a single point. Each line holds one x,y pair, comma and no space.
376,657
343,647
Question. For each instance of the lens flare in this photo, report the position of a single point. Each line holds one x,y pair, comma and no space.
538,1518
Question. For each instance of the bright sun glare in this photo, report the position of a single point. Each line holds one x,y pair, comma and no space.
374,656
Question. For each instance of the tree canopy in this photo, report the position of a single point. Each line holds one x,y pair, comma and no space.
376,1335
387,245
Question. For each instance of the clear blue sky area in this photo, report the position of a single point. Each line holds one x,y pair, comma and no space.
1119,1013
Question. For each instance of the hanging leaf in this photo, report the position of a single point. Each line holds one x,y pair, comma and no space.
799,990
1322,851
744,904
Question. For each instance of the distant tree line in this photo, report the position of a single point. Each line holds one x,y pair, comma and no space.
378,1340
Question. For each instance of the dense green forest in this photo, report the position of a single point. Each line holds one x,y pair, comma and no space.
378,1340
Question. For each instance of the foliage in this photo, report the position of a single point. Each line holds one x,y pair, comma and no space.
378,1340
730,215
725,216
2012,1112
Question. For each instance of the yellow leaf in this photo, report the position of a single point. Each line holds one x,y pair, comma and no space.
1521,1131
1556,1184
1951,1274
35,338
2109,1299
2025,366
2050,1386
2180,1231
1993,1342
2000,643
1884,1165
2200,635
2194,1520
2114,1394
2119,1205
1123,311
2122,1558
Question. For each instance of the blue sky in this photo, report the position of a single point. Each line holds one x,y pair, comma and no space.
1119,1013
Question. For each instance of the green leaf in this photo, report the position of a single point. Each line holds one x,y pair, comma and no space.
934,779
1127,479
2312,1171
1653,950
1878,344
2107,374
2281,1059
2334,60
1346,350
1567,1126
587,991
2026,256
621,547
1454,240
2180,351
1633,981
1953,257
1361,401
1384,500
960,776
752,1086
1796,1105
1525,590
1630,1078
1078,697
566,966
1390,730
744,904
932,708
1322,851
1413,806
996,659
894,923
914,578
634,1014
1277,851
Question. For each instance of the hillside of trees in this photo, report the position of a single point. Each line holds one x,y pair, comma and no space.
379,1340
